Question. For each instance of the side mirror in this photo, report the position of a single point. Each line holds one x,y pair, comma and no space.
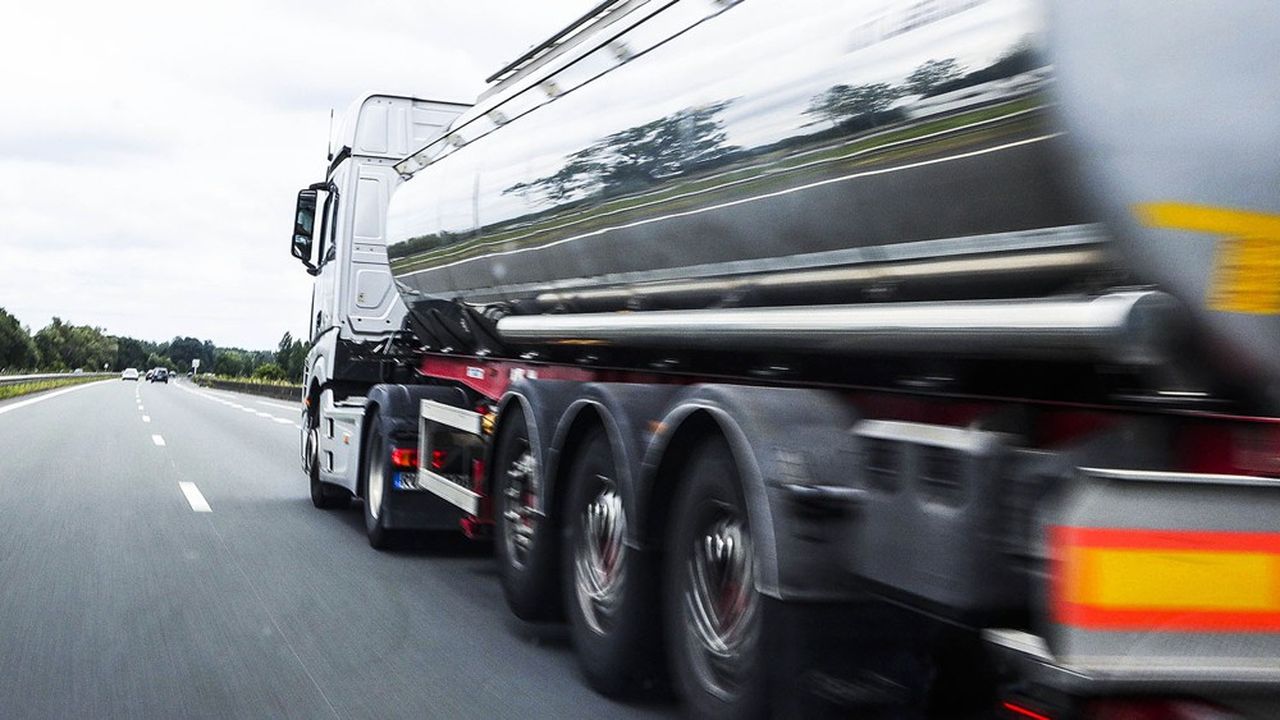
304,226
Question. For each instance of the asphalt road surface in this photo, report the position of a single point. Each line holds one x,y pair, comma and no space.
160,558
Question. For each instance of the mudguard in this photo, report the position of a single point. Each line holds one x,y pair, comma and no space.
630,414
793,450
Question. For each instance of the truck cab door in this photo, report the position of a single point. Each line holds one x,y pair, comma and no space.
324,307
372,305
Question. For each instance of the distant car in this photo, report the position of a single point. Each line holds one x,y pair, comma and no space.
129,374
151,373
159,375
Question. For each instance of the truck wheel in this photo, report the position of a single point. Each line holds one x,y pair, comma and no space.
525,544
713,613
609,589
375,478
325,496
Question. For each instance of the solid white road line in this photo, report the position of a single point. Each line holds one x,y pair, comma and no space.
194,497
42,398
282,406
146,418
157,440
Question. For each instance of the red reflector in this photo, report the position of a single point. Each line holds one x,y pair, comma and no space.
1018,711
438,458
404,457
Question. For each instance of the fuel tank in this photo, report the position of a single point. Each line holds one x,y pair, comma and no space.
708,154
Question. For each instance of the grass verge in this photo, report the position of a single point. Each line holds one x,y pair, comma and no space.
35,386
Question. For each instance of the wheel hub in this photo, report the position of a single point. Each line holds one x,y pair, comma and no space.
377,480
721,604
521,513
599,556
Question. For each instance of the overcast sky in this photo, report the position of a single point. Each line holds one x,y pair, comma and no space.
150,151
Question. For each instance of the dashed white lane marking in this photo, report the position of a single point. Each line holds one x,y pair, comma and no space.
146,418
157,440
283,421
194,497
298,425
261,414
42,398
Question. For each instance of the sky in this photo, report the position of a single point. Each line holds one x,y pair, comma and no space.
150,152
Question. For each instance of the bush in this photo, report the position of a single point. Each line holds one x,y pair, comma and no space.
269,371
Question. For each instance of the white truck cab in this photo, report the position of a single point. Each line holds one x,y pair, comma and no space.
339,234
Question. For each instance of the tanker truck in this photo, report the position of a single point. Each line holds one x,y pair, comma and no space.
915,358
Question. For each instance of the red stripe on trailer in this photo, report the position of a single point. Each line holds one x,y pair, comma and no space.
491,378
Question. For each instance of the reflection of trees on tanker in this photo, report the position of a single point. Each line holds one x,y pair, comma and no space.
611,175
857,108
638,157
628,161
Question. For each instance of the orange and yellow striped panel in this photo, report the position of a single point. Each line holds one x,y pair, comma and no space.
1129,579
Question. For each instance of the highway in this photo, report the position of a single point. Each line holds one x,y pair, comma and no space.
160,558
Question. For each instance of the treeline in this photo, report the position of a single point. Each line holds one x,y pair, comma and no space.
61,346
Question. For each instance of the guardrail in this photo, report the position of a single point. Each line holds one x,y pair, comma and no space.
15,379
280,392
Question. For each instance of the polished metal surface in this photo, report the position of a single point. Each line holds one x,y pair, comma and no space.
721,604
521,514
686,154
1130,327
599,557
1183,112
375,477
728,139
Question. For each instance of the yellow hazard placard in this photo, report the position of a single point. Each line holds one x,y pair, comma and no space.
1246,268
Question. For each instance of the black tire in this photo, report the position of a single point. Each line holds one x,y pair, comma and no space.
709,503
611,606
375,479
527,553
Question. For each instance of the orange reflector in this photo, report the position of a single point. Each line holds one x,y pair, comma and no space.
1166,580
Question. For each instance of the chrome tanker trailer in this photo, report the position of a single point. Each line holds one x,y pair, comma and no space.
913,358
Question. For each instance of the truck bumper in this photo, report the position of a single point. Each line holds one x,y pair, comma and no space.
1035,679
